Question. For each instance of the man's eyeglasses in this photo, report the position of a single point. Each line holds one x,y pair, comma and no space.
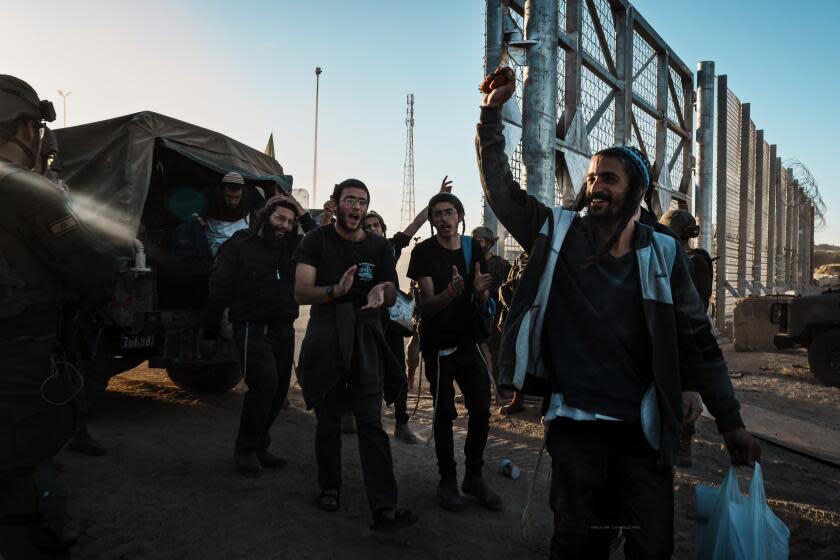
448,212
352,201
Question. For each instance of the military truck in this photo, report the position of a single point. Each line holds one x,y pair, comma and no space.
812,322
144,180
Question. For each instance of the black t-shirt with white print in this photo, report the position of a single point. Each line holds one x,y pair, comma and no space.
453,325
332,255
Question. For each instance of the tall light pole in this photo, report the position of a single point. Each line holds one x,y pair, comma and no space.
64,96
315,149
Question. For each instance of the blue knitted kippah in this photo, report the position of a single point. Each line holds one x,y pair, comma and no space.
640,163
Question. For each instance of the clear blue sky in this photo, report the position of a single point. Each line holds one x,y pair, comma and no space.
247,69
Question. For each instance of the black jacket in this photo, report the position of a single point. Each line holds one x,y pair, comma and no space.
685,354
255,278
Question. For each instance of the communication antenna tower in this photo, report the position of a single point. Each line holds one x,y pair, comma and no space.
407,212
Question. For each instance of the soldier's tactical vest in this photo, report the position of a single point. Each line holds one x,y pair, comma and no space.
12,286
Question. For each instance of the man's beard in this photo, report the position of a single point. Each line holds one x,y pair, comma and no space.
341,217
271,232
605,212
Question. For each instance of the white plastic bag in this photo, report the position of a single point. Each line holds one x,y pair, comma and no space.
731,526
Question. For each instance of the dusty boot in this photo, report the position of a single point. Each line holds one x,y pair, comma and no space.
476,487
448,496
348,424
403,433
514,405
270,461
248,465
82,442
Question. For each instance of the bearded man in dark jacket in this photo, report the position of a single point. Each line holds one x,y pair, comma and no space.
607,321
254,277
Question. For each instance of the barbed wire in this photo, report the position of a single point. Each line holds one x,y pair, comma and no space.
810,188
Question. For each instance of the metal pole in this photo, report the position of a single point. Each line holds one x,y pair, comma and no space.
539,100
705,151
315,149
492,60
64,97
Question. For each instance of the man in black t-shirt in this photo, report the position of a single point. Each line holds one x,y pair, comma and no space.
450,290
375,224
348,276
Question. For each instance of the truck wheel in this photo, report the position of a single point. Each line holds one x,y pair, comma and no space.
216,378
824,357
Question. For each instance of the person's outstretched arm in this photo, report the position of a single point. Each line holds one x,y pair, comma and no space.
521,214
423,216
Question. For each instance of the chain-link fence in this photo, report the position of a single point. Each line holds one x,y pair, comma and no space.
763,212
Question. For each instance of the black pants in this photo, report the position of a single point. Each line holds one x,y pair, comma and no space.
396,342
267,358
374,446
32,498
465,367
605,477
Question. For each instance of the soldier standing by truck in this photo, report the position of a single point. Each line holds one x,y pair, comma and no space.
46,253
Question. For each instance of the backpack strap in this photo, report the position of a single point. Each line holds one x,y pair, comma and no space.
466,246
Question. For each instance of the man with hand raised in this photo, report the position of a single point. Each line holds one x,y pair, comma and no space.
448,268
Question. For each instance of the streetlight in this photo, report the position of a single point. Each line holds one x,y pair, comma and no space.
64,96
315,150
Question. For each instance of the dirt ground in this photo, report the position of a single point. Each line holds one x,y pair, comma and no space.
167,487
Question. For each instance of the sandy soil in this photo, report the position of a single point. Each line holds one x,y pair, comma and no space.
167,488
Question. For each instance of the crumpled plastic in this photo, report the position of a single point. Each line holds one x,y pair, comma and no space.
731,526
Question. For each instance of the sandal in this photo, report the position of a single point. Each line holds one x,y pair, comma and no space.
328,500
401,519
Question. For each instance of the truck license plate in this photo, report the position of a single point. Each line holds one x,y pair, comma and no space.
133,342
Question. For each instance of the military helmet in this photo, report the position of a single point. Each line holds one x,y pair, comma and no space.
681,222
19,99
484,232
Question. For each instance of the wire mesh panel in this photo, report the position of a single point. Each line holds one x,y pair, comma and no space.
748,213
732,164
784,219
763,250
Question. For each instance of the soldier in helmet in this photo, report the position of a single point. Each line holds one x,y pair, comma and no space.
46,252
683,224
685,227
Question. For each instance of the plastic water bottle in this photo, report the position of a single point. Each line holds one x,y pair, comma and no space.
508,469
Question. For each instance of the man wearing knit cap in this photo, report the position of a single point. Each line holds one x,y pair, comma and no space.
607,324
232,213
254,278
48,255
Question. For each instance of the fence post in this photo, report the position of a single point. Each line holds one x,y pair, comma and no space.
492,59
703,208
744,199
758,242
770,276
539,100
720,235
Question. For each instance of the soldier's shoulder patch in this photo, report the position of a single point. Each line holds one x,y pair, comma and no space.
63,225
